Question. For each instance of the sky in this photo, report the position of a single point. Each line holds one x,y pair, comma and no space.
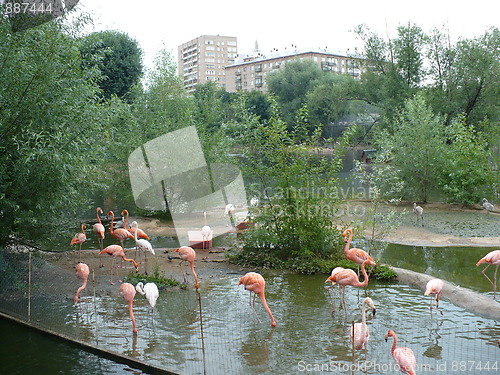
158,24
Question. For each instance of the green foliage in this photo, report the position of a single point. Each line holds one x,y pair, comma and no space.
160,281
415,148
118,57
296,190
49,120
467,173
408,52
384,272
465,77
291,84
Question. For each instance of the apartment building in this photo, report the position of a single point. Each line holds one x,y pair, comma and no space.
203,59
251,74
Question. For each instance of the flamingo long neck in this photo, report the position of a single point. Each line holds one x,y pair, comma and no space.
131,312
365,281
194,274
112,221
84,285
348,244
97,216
363,315
126,219
130,260
83,228
394,344
264,303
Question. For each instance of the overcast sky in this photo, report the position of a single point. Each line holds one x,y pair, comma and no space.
277,24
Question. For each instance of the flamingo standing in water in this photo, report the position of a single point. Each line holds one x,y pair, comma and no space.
79,238
360,332
356,255
347,276
206,231
99,230
434,286
492,258
150,291
404,357
82,272
117,251
142,245
127,291
121,234
255,283
187,254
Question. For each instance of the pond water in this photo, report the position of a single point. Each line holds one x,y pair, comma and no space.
454,264
308,336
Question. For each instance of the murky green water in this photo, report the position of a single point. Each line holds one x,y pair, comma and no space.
454,264
307,336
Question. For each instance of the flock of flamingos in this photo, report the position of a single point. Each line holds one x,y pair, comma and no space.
254,282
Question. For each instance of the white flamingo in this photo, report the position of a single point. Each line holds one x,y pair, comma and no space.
419,212
150,291
487,205
206,231
142,245
361,333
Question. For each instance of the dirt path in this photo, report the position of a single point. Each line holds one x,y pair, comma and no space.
444,225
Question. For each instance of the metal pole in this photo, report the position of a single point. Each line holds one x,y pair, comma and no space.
29,286
353,355
202,335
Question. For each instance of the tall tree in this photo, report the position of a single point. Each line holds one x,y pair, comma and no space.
49,119
408,51
466,174
465,77
415,148
119,58
291,84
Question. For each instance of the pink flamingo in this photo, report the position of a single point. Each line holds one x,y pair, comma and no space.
187,254
120,234
255,283
404,357
79,238
117,251
434,286
356,255
346,276
132,229
82,271
360,332
127,291
492,258
99,230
